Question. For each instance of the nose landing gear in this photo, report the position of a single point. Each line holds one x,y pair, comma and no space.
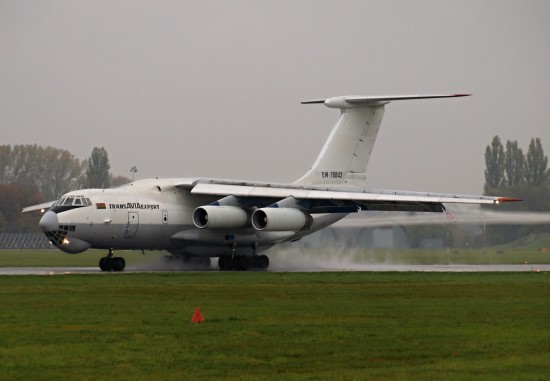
111,263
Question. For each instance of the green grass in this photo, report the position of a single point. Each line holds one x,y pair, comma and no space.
90,258
534,242
55,258
273,326
420,256
458,256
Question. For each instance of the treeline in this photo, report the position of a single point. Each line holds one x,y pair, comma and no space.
510,172
13,198
32,174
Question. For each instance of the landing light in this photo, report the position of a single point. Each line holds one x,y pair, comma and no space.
65,241
42,210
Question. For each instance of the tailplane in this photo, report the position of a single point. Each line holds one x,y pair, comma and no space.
346,153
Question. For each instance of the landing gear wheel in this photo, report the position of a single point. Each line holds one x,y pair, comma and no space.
263,262
110,263
103,264
241,262
119,263
225,262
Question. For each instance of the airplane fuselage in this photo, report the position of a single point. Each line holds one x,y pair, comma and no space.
152,215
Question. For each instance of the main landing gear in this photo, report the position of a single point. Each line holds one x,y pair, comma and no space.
111,263
243,262
185,262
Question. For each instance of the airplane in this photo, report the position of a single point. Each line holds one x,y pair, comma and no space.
197,219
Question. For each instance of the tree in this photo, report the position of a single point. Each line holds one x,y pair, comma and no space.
536,164
525,177
514,164
97,173
494,161
5,162
51,170
67,174
119,180
12,199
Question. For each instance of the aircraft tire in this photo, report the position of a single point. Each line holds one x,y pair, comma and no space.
225,262
241,262
112,264
103,264
263,262
119,263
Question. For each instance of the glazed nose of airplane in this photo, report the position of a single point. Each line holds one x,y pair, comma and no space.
49,222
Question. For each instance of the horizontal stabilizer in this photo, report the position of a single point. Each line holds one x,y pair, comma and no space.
352,101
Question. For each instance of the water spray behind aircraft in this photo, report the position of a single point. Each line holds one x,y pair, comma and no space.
340,256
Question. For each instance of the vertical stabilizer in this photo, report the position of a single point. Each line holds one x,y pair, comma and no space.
346,153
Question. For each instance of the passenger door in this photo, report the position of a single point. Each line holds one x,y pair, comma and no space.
133,223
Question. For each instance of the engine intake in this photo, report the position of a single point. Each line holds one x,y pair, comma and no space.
280,219
220,217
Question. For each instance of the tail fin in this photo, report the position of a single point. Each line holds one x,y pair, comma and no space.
346,153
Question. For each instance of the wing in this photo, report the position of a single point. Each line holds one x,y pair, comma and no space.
42,207
345,200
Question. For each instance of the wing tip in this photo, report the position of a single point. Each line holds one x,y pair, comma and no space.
313,101
507,199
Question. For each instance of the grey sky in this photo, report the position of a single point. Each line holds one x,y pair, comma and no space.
213,88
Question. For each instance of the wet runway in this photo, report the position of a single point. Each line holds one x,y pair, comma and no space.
364,267
48,270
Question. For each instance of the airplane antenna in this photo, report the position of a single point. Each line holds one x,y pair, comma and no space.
133,170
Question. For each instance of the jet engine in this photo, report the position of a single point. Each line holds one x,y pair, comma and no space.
280,219
220,217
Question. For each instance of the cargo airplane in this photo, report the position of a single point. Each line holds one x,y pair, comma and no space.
196,219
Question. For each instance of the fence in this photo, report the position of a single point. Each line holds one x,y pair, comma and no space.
24,241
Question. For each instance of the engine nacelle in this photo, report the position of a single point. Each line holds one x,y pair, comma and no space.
220,217
280,219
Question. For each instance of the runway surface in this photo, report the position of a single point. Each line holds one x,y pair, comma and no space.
369,267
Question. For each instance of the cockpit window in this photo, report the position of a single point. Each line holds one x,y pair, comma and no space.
70,202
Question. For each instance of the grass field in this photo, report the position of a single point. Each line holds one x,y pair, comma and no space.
54,258
276,326
90,258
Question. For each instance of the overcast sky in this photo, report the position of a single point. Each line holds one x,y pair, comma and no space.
213,88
